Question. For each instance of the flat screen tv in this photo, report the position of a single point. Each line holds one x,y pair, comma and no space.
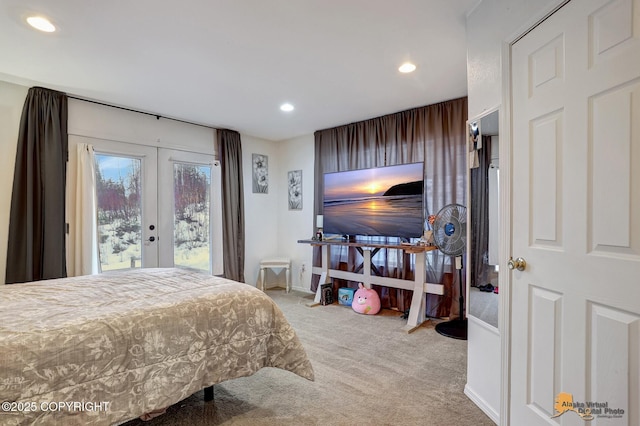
382,201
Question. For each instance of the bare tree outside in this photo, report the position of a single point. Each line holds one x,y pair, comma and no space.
191,189
118,188
119,193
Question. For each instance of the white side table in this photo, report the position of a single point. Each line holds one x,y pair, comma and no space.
276,264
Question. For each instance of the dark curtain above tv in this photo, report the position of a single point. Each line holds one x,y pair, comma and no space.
36,243
433,134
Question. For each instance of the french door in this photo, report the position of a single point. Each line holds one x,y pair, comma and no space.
189,213
126,186
157,208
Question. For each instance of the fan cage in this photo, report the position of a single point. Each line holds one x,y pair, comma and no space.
449,229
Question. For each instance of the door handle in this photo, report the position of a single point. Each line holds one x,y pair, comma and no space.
518,264
151,238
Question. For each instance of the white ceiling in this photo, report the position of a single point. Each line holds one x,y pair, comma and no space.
231,63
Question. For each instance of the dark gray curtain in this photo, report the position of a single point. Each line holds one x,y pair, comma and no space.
230,155
479,204
433,134
36,245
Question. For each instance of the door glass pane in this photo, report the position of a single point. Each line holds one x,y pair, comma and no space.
118,188
191,240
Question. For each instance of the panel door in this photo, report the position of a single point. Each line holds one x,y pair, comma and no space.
575,308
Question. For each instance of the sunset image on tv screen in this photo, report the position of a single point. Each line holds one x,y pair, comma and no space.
383,201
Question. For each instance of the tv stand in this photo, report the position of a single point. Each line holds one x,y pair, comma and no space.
364,274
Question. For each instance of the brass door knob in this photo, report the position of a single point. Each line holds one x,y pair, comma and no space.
518,264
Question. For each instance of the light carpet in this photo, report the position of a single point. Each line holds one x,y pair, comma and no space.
368,371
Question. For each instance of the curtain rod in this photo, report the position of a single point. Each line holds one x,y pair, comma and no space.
157,116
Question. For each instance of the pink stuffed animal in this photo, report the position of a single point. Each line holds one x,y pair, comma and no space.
366,301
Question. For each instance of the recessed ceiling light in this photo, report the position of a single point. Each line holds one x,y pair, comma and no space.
286,107
407,67
40,23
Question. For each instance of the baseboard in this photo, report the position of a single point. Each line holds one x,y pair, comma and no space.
484,325
482,404
302,289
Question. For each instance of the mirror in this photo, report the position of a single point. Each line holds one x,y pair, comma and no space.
482,275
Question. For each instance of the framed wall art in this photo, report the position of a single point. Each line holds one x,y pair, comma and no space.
294,185
260,175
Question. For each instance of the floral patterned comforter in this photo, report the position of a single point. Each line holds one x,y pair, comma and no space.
107,348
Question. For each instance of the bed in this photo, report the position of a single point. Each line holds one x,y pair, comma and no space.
108,348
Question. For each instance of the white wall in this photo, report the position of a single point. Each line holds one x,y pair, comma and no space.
12,98
483,367
260,210
114,124
294,225
489,25
272,230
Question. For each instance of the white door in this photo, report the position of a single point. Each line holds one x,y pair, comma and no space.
575,313
189,211
127,204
